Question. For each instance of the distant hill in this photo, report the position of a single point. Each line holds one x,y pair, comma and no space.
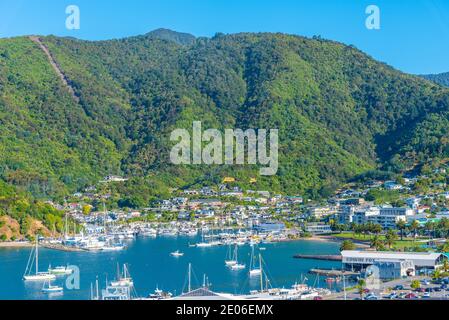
339,112
169,35
442,78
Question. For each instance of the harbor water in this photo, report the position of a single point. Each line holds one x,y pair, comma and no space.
151,265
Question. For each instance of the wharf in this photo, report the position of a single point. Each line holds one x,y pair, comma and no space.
319,257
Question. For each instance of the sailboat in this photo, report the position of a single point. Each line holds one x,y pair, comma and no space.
231,259
123,281
237,265
177,254
37,276
253,270
48,288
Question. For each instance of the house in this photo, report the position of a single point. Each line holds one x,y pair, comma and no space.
114,179
392,185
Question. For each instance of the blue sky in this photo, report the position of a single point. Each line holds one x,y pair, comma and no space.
414,35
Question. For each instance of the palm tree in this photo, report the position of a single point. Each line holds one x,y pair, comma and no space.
429,226
401,226
444,225
376,229
390,238
446,266
437,274
376,243
347,245
361,287
414,227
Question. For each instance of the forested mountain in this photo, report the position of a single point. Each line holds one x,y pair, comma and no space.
442,78
339,112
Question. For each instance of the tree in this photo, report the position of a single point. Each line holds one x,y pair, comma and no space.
415,284
429,227
401,226
437,274
390,238
414,227
87,209
347,245
361,287
376,243
446,265
376,228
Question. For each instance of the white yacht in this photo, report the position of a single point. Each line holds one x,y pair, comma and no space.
255,271
231,258
123,280
237,265
48,288
36,276
60,270
177,254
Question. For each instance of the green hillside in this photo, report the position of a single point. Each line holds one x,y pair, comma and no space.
339,112
442,78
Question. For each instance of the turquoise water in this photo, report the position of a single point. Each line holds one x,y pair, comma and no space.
151,265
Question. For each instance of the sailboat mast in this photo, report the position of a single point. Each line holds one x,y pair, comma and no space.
190,275
98,292
37,254
104,217
261,273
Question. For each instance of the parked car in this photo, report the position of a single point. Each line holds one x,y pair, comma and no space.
371,297
391,296
318,298
426,295
410,296
398,287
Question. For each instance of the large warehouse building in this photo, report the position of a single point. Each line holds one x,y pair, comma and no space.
360,260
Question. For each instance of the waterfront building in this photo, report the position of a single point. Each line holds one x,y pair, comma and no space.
318,228
269,227
394,269
360,260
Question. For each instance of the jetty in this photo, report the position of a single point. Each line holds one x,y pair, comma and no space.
60,247
319,257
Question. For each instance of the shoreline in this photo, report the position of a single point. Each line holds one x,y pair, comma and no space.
330,238
16,245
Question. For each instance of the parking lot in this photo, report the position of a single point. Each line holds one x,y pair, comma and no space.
400,290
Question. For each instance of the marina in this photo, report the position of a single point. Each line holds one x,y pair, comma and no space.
153,269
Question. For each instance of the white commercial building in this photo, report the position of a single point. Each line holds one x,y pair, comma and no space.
318,228
359,260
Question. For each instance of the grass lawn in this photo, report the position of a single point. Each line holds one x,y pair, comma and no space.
399,244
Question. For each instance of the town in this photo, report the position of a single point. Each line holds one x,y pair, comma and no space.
398,227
